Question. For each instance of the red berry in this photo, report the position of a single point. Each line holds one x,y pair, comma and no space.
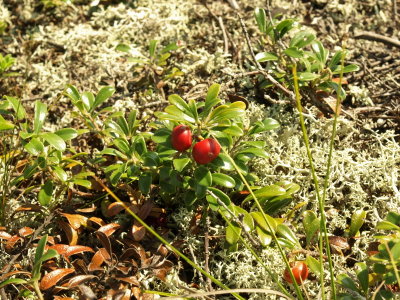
206,151
299,270
181,138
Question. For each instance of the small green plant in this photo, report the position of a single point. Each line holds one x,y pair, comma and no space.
152,68
6,62
35,275
286,43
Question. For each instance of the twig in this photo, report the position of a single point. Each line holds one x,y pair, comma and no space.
370,36
226,45
394,11
207,251
234,4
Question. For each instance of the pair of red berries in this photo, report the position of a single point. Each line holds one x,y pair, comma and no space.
203,152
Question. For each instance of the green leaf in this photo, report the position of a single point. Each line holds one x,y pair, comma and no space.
203,176
5,125
254,152
67,133
51,253
216,194
40,116
145,183
264,236
223,162
346,69
294,52
259,14
170,47
223,180
285,232
313,264
362,275
233,232
123,48
34,147
40,248
212,93
393,218
266,56
105,93
161,136
396,251
357,220
267,192
265,125
258,217
72,93
152,47
320,51
46,193
12,281
385,225
123,146
181,115
311,225
336,59
54,140
83,182
347,282
283,27
307,76
302,39
180,103
17,106
180,163
60,173
88,100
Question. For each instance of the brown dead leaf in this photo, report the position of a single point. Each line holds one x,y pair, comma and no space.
76,220
145,209
29,207
5,235
25,231
98,221
98,259
77,280
87,209
72,234
12,273
105,241
109,229
138,231
50,279
12,241
131,279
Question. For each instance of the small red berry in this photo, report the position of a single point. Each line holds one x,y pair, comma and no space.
181,138
299,270
206,151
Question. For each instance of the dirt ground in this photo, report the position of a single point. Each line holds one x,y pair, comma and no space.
75,44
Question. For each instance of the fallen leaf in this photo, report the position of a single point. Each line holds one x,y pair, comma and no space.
77,280
76,220
50,279
25,231
138,232
5,235
109,229
98,259
72,234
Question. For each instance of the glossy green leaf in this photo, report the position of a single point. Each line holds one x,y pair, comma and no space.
302,39
203,176
336,59
40,116
104,94
313,264
88,100
393,218
60,173
233,232
17,107
40,248
223,180
161,136
320,51
264,236
284,27
357,220
307,76
123,146
54,140
223,162
34,147
180,103
267,192
212,93
254,152
170,47
83,182
46,193
72,93
179,114
51,253
265,125
266,56
385,225
285,232
259,14
294,52
67,133
180,163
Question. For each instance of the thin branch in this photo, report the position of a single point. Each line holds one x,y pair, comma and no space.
370,36
198,295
